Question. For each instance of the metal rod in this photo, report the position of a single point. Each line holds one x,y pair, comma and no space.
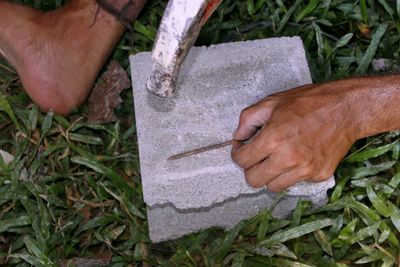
200,150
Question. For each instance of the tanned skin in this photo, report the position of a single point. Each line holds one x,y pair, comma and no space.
303,134
59,54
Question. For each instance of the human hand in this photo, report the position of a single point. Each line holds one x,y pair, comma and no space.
298,135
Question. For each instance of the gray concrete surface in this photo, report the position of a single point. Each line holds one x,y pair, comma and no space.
215,84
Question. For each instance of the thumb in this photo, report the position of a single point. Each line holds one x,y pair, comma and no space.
251,119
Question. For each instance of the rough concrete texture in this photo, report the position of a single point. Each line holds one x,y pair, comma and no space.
215,84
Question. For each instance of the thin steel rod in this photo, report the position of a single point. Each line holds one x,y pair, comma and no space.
200,150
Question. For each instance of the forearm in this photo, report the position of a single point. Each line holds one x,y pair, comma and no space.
374,104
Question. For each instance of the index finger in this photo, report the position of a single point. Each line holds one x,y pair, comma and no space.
248,154
251,119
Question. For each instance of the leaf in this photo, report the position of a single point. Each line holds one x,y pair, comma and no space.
296,216
371,153
14,222
86,139
377,202
97,222
344,40
366,232
282,250
146,31
103,259
5,106
263,251
387,8
28,258
337,192
289,263
287,16
312,4
46,124
394,182
33,118
36,251
365,212
228,240
346,234
383,236
394,215
114,233
371,50
323,241
250,7
364,12
320,42
126,204
372,256
398,8
105,94
113,176
265,217
294,232
371,170
238,260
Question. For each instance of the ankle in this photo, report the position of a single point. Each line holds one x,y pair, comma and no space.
123,10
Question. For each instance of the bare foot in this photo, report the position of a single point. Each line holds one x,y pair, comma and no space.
58,54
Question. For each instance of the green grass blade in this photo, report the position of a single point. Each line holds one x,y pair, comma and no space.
291,233
371,170
113,176
289,263
371,50
387,7
6,224
307,10
288,15
324,241
320,42
364,12
394,215
377,202
5,106
394,183
86,139
47,122
282,250
344,40
36,251
230,237
371,153
238,260
398,8
366,232
33,118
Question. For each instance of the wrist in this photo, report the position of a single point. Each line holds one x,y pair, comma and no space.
373,105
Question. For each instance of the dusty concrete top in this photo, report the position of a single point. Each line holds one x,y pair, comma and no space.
215,84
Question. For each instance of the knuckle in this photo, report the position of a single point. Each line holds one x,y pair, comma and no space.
324,174
293,158
252,181
275,188
246,114
239,158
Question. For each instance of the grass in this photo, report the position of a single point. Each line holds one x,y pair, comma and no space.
83,197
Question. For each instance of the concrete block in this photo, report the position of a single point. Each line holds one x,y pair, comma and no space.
215,84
